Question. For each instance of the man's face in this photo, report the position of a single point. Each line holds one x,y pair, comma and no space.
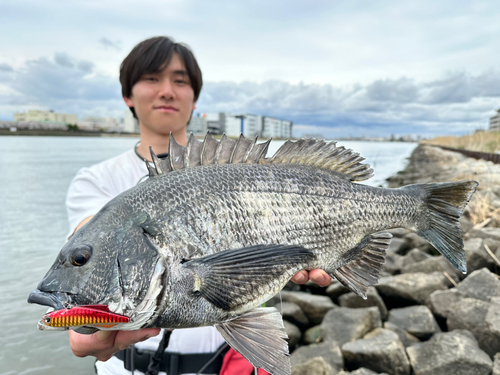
163,101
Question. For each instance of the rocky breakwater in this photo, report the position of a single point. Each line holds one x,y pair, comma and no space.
424,317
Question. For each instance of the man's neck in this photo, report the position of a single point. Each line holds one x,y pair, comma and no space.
159,142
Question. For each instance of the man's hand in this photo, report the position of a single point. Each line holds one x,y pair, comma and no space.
103,344
317,276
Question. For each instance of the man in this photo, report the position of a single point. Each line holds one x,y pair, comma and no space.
161,82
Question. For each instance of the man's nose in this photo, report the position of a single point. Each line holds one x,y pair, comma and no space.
166,89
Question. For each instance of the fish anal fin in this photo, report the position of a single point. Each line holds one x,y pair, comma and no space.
364,271
239,279
259,336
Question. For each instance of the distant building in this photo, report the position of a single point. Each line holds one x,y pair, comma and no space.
35,115
198,125
99,123
251,125
495,122
130,123
276,128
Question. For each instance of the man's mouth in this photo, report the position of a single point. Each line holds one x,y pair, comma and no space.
167,109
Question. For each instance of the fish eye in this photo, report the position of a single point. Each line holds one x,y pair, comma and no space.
48,320
80,255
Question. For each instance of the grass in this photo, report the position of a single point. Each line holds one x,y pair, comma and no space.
483,141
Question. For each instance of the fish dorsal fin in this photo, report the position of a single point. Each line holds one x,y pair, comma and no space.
319,154
364,271
259,336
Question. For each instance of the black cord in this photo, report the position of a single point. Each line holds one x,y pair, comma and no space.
154,363
217,353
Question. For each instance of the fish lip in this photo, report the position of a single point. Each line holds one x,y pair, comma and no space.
54,300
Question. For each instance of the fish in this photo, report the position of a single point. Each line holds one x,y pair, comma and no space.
219,228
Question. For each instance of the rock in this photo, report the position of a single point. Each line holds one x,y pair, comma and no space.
335,290
480,284
380,350
293,313
415,241
416,320
398,246
434,264
447,353
476,255
493,244
406,338
479,317
413,256
312,335
496,364
372,299
328,350
465,224
315,366
493,233
361,371
390,263
411,288
441,301
315,307
398,232
293,333
345,324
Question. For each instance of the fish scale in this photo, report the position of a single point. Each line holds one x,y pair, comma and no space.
218,229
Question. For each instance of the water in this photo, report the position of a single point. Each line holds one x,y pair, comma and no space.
35,173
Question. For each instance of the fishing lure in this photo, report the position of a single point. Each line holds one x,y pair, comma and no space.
88,315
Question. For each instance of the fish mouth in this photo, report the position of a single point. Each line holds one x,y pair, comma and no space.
54,300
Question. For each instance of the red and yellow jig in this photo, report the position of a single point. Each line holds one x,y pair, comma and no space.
88,315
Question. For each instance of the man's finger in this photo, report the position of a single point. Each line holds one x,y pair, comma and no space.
301,277
320,277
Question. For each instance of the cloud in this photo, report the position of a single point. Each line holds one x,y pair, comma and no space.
6,68
107,43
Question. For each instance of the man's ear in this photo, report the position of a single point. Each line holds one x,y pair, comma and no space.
194,106
128,101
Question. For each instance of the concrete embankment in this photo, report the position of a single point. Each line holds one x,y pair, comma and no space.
424,317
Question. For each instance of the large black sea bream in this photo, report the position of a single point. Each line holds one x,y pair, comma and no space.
218,229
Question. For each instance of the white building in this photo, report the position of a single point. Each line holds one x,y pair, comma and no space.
35,115
276,128
495,122
130,123
198,125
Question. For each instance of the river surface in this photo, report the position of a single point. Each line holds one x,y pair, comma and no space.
34,175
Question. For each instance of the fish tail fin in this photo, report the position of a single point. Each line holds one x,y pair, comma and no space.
439,223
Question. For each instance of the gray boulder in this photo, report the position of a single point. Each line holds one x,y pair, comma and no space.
496,364
390,263
293,333
476,255
406,338
345,324
329,351
448,353
361,371
312,335
372,299
434,264
416,320
293,313
398,246
412,257
335,290
412,288
380,350
493,233
440,301
315,307
315,366
480,284
417,242
479,317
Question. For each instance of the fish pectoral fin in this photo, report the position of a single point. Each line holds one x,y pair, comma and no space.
364,271
251,275
259,336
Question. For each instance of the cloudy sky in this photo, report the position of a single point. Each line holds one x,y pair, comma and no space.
340,68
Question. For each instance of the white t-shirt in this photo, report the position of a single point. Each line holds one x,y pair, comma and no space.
91,189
